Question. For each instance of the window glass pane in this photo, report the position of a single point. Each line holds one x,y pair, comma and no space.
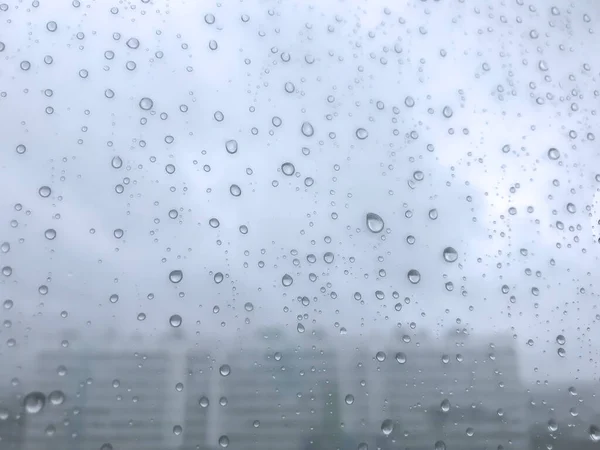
299,225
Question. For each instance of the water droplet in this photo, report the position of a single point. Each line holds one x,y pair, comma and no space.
225,370
56,398
231,146
571,208
440,445
218,278
34,402
447,112
175,320
116,162
445,405
300,328
50,234
374,223
214,222
45,191
387,426
288,169
114,298
328,257
287,280
177,430
380,356
248,306
176,276
349,399
414,276
235,190
223,441
561,352
256,423
146,103
133,43
307,129
51,26
20,149
400,356
106,447
209,18
433,214
361,133
450,255
203,402
470,432
594,433
553,154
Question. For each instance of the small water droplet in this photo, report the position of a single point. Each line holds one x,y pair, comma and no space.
175,320
400,356
50,234
56,398
560,339
235,190
447,112
218,277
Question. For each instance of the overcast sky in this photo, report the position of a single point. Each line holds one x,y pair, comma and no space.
519,77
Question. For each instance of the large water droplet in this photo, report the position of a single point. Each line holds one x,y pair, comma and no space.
218,277
594,433
450,255
225,370
176,276
445,405
223,441
203,402
401,357
349,399
447,111
133,43
34,402
374,223
307,129
287,280
288,169
175,320
414,276
361,133
116,162
45,191
146,103
231,146
50,234
440,445
553,154
387,426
